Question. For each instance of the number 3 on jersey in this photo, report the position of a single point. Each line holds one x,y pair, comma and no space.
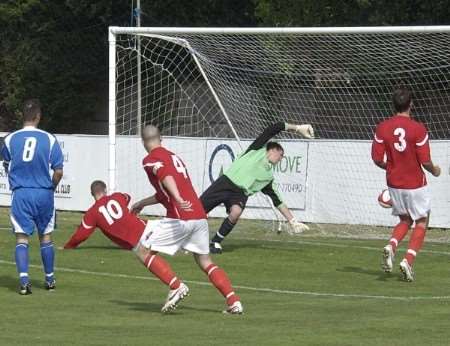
112,211
178,164
401,144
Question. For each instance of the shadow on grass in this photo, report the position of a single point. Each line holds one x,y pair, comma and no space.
9,282
12,283
380,275
156,307
96,247
236,246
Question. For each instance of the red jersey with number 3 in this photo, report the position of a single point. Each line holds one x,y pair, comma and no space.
405,143
160,163
110,214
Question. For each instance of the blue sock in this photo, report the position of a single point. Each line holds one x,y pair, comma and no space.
22,262
48,259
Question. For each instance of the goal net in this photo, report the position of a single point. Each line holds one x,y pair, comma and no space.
212,91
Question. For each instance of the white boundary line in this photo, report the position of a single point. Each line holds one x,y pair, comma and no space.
255,289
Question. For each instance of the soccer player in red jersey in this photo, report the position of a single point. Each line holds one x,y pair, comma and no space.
110,213
405,143
185,225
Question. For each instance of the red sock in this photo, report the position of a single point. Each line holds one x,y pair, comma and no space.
398,234
415,243
162,270
220,280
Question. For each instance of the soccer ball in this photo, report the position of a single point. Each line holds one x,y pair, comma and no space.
384,199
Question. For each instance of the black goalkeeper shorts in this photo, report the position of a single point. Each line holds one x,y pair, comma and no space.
223,190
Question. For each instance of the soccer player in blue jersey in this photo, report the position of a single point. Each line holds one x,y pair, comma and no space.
28,156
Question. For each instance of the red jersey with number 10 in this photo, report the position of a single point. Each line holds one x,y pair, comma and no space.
405,143
160,163
110,214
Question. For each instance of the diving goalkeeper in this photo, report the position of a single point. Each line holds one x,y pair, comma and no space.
250,173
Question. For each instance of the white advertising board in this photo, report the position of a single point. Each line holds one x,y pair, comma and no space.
321,181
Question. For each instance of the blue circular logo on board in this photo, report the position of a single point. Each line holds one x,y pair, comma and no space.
218,149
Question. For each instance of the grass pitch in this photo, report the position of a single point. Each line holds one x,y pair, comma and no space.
313,289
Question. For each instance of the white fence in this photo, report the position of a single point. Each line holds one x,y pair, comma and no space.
322,181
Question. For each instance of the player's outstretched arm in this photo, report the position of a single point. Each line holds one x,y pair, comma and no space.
79,236
305,130
295,225
137,207
266,135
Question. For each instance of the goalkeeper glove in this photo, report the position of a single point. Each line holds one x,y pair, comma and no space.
297,227
306,130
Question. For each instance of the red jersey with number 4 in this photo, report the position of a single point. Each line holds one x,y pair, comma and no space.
405,143
160,163
110,214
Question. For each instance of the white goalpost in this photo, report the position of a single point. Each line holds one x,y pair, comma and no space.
213,90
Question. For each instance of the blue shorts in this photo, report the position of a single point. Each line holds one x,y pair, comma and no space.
33,208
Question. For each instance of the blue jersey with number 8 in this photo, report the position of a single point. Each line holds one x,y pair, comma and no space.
30,153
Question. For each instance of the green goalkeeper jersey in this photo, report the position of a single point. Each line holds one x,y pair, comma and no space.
252,171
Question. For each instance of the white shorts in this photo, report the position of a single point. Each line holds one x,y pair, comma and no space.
415,202
170,235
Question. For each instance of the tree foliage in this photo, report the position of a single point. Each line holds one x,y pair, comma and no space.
57,50
307,13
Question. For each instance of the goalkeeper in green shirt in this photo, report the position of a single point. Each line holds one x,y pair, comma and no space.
250,173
